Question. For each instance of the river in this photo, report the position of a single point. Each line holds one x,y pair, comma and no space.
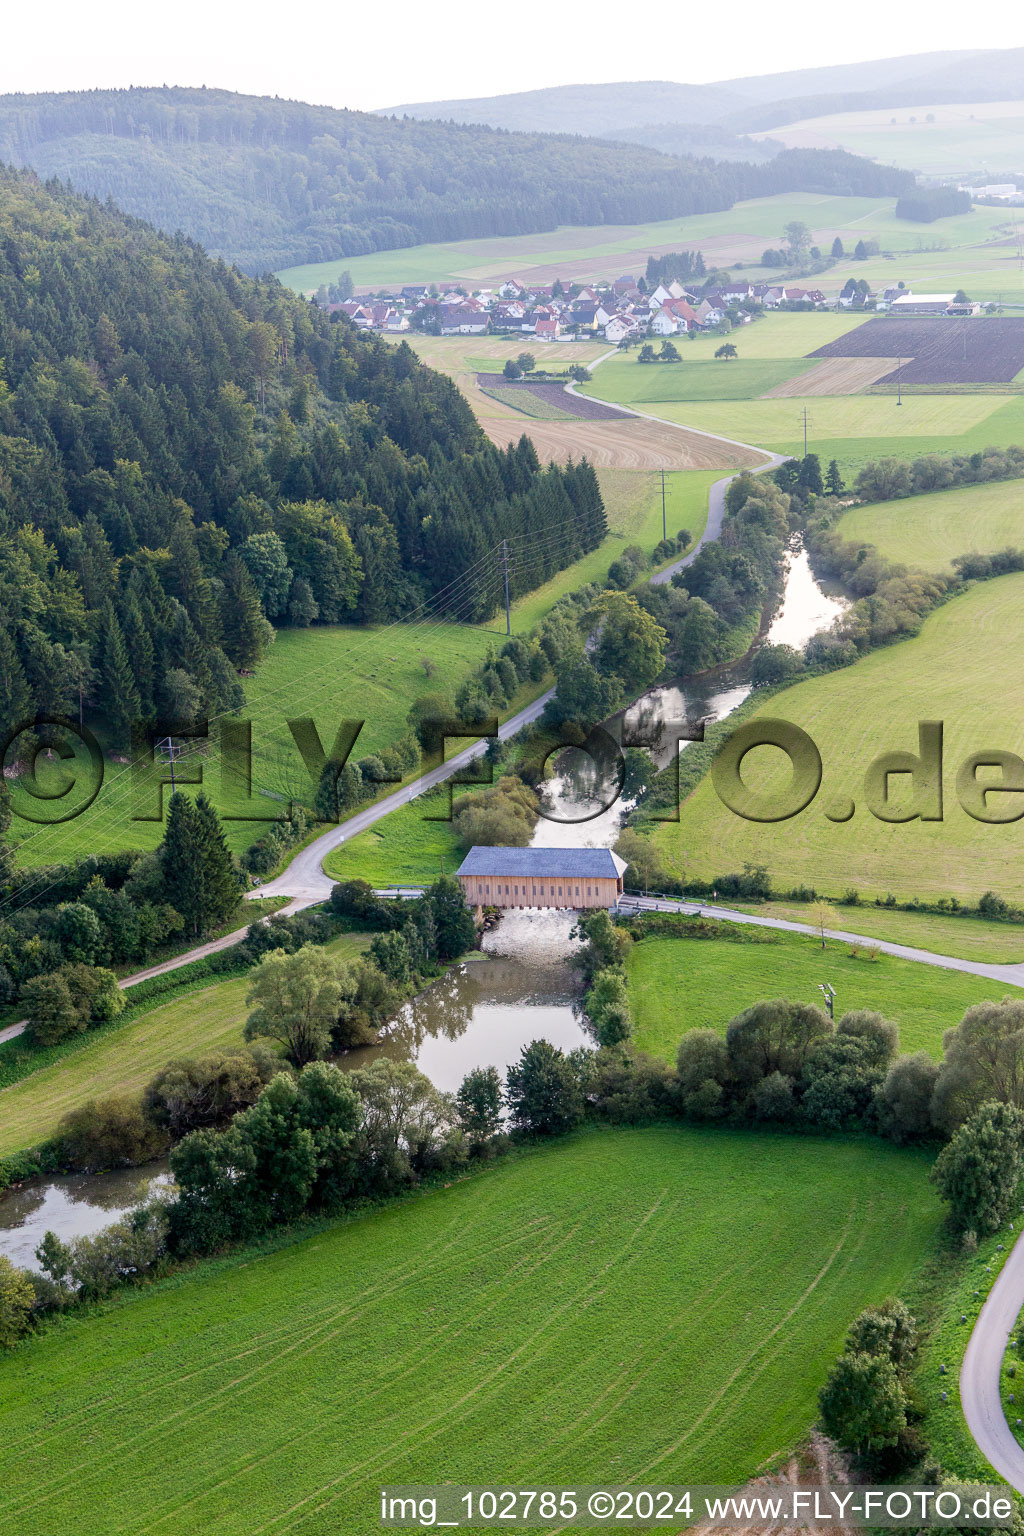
520,987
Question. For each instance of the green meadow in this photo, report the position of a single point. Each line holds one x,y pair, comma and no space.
627,1304
329,674
929,531
681,984
965,669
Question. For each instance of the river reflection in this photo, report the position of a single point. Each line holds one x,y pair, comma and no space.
76,1205
482,1013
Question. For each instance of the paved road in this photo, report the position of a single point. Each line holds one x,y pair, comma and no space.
716,495
1011,975
212,947
979,1375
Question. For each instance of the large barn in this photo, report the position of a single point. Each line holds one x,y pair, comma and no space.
576,878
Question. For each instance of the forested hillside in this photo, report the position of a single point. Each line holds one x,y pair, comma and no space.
269,184
187,454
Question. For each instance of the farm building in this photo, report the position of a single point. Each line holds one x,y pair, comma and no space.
922,303
542,877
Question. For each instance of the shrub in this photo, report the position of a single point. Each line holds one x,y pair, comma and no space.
903,1101
191,1092
863,1407
111,1132
17,1297
702,1067
978,1170
51,1010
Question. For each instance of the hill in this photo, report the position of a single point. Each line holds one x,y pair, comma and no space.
187,454
270,184
611,108
680,118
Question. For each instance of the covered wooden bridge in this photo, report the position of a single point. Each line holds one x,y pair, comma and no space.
573,878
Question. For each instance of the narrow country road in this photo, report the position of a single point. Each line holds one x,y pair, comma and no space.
1011,975
979,1374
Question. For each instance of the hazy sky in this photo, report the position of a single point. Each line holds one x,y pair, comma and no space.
355,56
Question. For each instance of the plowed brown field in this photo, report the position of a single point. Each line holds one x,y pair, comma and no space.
835,376
632,443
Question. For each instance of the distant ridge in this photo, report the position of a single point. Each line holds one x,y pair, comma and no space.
669,114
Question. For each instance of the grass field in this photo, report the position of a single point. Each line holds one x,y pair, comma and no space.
625,380
928,531
963,139
965,669
855,429
677,985
970,938
730,238
875,417
330,674
624,1304
633,500
127,1057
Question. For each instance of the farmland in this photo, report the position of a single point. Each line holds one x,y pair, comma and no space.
681,984
964,668
939,350
285,1389
545,398
524,400
928,531
940,138
857,428
609,441
974,249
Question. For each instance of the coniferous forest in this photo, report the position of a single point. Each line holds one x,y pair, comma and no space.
189,456
269,183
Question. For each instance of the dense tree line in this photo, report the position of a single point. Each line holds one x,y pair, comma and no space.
268,183
59,948
729,581
925,204
188,455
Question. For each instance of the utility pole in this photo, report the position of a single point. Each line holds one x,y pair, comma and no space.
899,381
504,566
805,431
168,745
664,528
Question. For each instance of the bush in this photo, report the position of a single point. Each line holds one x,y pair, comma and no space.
51,1010
863,1406
17,1298
607,1006
978,1170
111,1132
702,1068
191,1092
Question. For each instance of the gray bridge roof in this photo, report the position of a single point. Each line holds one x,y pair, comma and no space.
544,863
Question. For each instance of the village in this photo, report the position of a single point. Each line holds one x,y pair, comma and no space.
622,312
